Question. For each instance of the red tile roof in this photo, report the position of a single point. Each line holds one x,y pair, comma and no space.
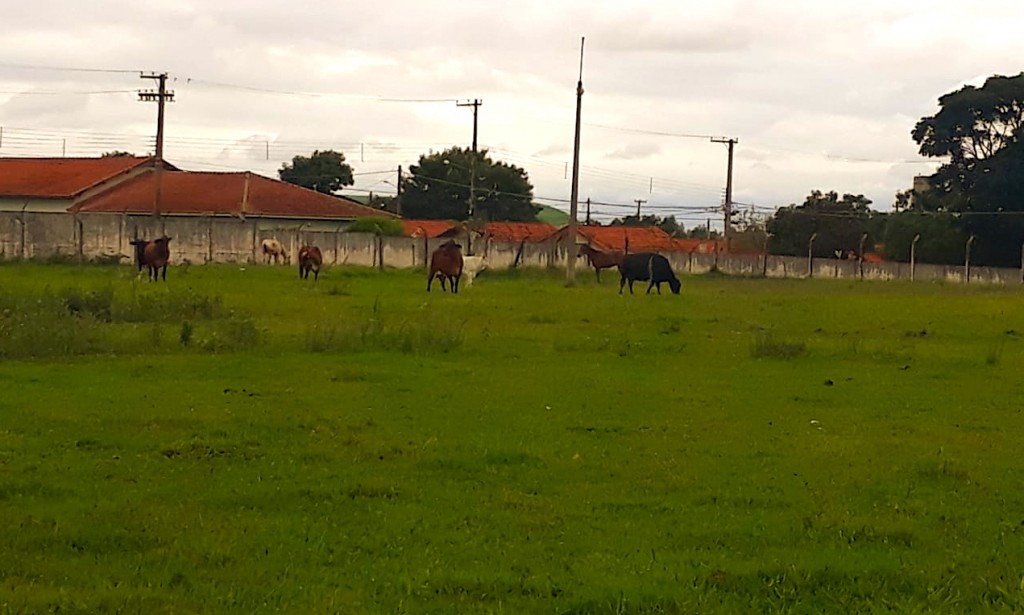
517,232
428,228
225,194
56,178
700,246
640,238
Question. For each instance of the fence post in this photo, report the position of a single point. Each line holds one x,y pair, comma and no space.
967,259
79,228
21,223
380,250
863,238
810,256
913,255
209,240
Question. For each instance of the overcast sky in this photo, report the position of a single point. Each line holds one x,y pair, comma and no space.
820,95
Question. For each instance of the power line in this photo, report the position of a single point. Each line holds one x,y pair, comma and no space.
69,69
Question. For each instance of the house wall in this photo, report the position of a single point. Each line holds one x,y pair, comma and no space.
203,239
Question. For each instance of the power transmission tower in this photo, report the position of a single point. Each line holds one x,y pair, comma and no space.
728,189
476,106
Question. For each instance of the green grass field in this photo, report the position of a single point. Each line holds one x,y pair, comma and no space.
240,441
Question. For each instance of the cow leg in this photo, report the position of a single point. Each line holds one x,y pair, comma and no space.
622,282
165,272
650,286
597,270
455,284
430,278
631,286
316,275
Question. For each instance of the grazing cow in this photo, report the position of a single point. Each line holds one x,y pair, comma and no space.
310,259
274,249
153,255
599,259
446,261
472,266
647,266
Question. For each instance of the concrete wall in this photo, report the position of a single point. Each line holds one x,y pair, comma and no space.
203,239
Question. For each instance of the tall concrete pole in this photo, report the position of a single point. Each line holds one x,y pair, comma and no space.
476,106
728,191
570,271
160,96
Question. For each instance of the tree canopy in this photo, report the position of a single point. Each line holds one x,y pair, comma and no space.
325,171
981,133
439,188
840,223
667,224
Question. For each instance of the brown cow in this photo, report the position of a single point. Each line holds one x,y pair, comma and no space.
446,261
153,255
599,259
310,259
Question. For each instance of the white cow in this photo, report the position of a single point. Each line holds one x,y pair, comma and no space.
274,249
471,267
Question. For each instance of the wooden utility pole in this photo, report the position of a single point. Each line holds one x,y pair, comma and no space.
588,215
161,96
570,271
476,106
638,202
728,190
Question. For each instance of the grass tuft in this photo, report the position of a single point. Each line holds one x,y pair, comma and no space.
766,345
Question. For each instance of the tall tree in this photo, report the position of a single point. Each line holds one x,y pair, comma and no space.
840,223
439,188
981,133
325,171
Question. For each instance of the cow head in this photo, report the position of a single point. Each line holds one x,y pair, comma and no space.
675,285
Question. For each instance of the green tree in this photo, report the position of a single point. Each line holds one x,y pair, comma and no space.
840,223
667,224
439,188
979,131
941,240
325,171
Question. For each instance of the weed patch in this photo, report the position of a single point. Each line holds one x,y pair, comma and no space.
766,345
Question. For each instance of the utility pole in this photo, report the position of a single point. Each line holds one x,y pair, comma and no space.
638,202
160,96
728,190
398,195
570,271
588,222
476,106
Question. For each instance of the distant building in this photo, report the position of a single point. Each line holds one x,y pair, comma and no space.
128,185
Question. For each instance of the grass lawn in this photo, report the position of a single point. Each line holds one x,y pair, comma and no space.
240,441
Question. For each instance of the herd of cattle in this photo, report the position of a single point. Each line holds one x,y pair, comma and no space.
447,263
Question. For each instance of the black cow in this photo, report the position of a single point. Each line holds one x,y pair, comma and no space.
647,266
